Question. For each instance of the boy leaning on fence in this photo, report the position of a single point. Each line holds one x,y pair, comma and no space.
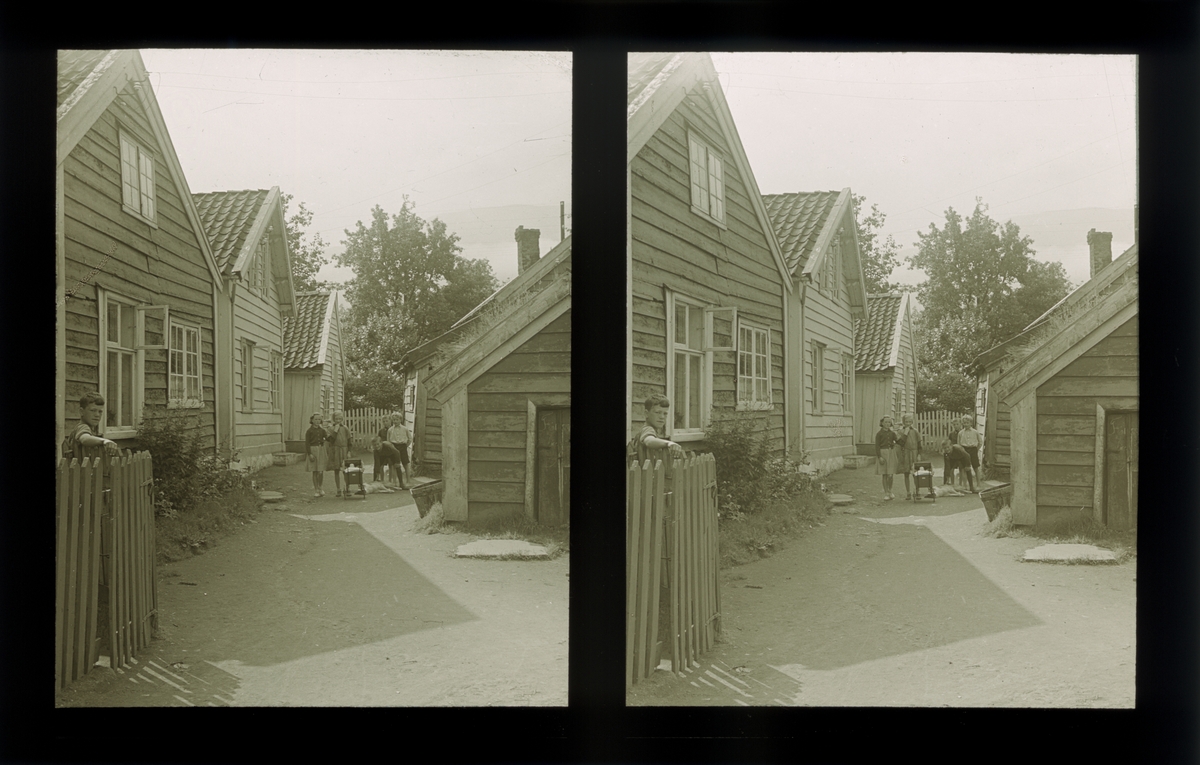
650,440
84,442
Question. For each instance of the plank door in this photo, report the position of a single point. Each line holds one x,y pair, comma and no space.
1121,470
554,466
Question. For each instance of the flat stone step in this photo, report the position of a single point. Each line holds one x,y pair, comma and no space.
841,499
270,496
287,458
1059,553
855,461
501,548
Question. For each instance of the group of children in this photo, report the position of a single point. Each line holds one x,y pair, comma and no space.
896,451
326,449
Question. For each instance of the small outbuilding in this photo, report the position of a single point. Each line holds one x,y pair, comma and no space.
885,378
500,384
314,367
1072,391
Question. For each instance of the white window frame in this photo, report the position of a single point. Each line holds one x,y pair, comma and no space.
410,399
139,194
259,267
247,364
759,365
706,176
705,353
276,381
182,355
818,376
847,381
136,354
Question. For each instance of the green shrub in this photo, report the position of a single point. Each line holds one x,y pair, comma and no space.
185,472
749,475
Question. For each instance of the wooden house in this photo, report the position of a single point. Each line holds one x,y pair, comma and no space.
247,233
818,236
137,284
500,384
885,382
707,280
314,367
423,413
1072,392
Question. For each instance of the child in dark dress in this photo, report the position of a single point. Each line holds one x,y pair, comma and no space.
315,453
885,452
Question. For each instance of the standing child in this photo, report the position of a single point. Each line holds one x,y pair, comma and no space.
885,452
398,436
85,442
909,441
338,448
316,456
968,439
651,438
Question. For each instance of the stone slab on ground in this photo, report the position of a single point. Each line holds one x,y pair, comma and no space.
854,461
1058,553
501,548
270,496
841,499
284,459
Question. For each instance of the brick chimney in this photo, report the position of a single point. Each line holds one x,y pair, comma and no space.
528,250
1100,243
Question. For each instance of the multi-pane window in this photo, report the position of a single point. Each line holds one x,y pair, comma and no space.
247,366
260,268
690,367
137,179
410,399
847,360
754,367
707,172
818,378
122,369
325,400
183,374
276,381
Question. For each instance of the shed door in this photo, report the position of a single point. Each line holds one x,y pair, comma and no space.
1121,470
553,466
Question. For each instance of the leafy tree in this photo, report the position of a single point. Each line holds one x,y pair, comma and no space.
410,285
308,254
879,257
982,286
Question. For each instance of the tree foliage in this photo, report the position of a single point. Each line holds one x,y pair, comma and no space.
982,287
410,285
879,256
308,253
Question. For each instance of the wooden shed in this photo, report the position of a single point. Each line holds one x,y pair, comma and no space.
818,236
502,387
314,367
707,280
247,233
886,374
137,283
1073,396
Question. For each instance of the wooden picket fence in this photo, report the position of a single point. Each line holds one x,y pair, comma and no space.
365,423
933,425
105,542
672,532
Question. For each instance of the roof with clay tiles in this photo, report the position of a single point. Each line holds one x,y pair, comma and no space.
304,333
227,217
875,336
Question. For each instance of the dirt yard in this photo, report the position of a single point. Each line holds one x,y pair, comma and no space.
338,602
895,603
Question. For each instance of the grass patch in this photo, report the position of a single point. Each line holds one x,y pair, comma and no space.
184,534
556,540
749,537
1079,531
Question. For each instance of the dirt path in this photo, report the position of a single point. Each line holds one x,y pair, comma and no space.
335,602
903,604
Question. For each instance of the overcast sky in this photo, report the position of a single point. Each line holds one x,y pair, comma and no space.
1048,141
481,140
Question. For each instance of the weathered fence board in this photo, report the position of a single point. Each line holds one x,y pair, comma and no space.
934,425
677,504
105,539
